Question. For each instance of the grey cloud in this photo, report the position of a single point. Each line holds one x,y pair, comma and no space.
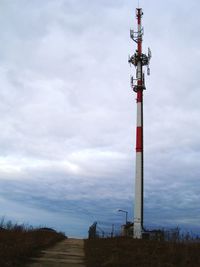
68,114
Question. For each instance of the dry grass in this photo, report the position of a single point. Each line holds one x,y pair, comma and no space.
125,252
18,244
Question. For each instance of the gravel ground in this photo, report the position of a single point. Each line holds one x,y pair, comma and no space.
68,253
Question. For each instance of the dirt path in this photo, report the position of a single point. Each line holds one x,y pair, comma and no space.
68,253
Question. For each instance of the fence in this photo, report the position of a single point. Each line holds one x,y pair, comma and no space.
104,230
108,230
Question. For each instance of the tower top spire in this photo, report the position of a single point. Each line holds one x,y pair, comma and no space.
138,56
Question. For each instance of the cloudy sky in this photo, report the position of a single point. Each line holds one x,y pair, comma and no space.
67,113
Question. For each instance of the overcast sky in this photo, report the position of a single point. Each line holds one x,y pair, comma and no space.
67,113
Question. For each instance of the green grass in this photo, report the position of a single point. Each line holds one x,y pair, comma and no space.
18,244
127,252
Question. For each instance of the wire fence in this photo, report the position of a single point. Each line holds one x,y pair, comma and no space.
104,230
109,230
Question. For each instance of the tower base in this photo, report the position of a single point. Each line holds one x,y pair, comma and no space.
137,230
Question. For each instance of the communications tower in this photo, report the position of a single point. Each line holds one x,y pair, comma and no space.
139,60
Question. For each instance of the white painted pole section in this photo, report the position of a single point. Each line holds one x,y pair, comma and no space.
139,114
139,71
138,197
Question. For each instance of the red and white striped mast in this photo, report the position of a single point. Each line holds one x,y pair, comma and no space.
138,84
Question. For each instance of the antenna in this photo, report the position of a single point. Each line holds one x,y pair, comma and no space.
139,60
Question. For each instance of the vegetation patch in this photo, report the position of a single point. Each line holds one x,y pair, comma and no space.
18,243
128,252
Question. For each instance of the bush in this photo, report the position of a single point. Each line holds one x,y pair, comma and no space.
19,242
